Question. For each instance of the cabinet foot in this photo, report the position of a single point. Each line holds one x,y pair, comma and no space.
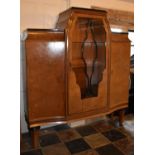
35,136
121,117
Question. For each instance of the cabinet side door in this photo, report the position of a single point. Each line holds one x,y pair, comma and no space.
45,64
120,66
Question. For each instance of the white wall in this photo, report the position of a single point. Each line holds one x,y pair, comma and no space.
111,4
44,13
40,13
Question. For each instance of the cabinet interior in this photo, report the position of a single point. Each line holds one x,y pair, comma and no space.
88,54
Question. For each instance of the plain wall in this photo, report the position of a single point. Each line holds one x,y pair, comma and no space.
44,13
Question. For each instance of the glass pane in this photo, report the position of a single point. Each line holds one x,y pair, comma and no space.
89,55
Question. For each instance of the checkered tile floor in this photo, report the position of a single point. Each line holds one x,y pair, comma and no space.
99,138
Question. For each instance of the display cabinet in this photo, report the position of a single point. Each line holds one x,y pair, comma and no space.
76,71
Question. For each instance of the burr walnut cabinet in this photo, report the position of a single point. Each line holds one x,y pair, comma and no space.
76,71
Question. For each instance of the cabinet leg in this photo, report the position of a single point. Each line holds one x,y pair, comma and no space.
35,136
121,117
112,116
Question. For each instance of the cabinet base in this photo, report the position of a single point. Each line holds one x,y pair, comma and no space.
35,131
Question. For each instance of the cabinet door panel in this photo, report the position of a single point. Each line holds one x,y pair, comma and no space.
119,82
45,79
88,64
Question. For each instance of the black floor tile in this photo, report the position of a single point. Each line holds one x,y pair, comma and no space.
26,136
86,130
60,127
33,152
109,150
25,146
49,139
114,135
87,152
77,146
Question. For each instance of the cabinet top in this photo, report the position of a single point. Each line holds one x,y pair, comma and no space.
79,9
43,34
68,15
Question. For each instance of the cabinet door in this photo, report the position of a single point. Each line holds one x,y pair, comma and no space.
45,76
120,65
88,65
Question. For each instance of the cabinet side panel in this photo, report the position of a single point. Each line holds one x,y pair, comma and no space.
120,65
45,79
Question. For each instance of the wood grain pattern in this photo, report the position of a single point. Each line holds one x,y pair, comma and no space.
120,68
45,73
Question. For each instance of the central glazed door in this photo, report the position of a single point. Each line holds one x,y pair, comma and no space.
88,64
